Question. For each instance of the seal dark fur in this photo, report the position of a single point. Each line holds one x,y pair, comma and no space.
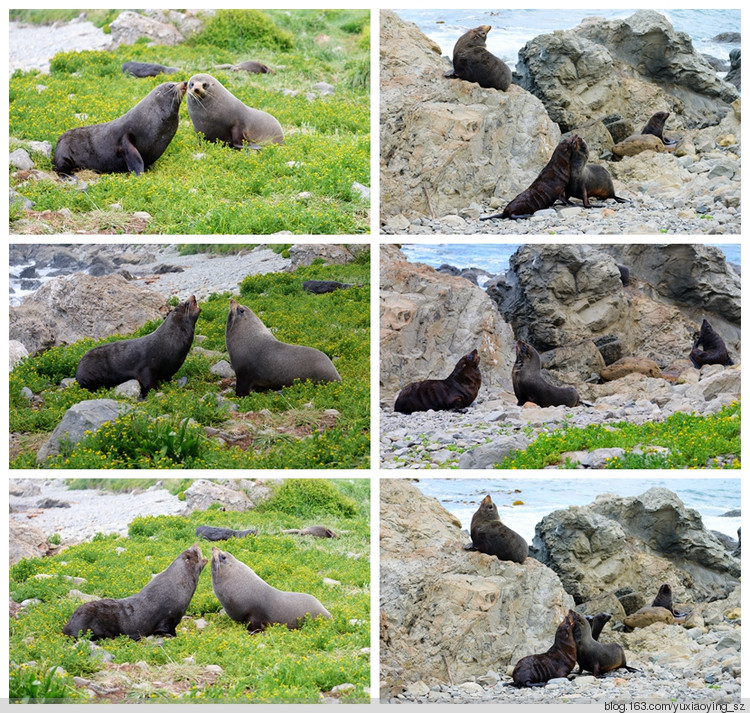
150,359
587,180
714,350
557,662
473,62
592,655
664,599
491,537
530,385
321,287
215,534
147,69
456,391
597,622
131,142
655,126
156,609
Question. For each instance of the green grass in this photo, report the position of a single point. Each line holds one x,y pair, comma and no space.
285,429
278,665
203,188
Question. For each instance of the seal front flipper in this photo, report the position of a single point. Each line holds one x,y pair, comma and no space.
133,159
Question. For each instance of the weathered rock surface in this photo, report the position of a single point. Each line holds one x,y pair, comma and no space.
204,493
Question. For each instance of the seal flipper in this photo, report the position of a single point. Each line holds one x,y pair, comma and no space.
133,158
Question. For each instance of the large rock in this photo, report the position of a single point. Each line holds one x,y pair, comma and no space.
25,542
129,27
204,493
448,613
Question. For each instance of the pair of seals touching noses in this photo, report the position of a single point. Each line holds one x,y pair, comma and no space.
161,604
134,141
259,360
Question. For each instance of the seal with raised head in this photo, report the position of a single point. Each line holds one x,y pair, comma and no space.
220,116
546,188
156,609
592,655
248,599
587,180
655,127
150,359
473,62
714,350
491,537
131,142
664,599
557,662
215,534
457,391
313,531
147,69
597,622
262,362
530,385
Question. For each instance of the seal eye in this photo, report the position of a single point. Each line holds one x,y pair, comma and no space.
223,558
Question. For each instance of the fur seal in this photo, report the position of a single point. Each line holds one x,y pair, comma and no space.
714,350
492,537
150,359
321,287
530,385
220,116
263,362
664,599
131,142
473,62
214,534
655,126
156,609
546,188
597,622
314,531
147,69
557,662
587,180
593,656
249,66
248,599
457,391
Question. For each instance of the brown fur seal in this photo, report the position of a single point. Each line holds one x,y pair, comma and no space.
248,599
457,391
597,622
313,531
714,350
547,187
130,143
147,69
593,656
664,599
150,359
263,362
587,180
156,609
250,66
220,116
557,662
214,534
491,537
473,62
655,127
530,385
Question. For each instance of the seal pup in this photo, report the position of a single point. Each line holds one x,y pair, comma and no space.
664,599
214,534
546,188
491,537
457,391
714,350
473,62
263,362
597,622
530,385
248,599
314,531
131,142
219,116
592,655
655,126
156,609
150,359
147,69
587,180
557,662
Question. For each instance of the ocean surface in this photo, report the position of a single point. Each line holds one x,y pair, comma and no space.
711,497
512,29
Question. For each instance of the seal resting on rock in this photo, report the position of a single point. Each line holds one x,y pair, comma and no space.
156,609
313,531
219,116
147,69
592,655
587,180
214,534
714,350
655,127
473,62
530,385
597,622
491,537
248,599
131,142
646,616
150,359
263,362
664,599
457,391
557,662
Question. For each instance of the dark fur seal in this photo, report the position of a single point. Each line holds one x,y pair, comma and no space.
313,531
587,180
491,537
664,599
214,534
130,143
655,126
473,62
248,599
457,391
714,350
530,385
156,609
147,69
597,622
219,116
263,362
547,187
150,359
321,287
557,662
593,656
